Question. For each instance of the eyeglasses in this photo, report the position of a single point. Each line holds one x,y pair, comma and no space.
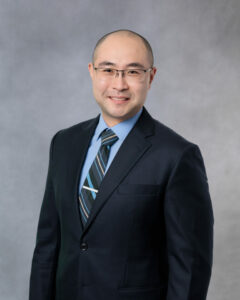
129,74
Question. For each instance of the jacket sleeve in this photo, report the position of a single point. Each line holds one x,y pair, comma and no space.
189,228
44,261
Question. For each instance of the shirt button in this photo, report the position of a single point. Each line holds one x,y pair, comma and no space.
83,246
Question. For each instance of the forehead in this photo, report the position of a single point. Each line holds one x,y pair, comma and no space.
122,50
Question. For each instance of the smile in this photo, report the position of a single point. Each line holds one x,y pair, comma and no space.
118,99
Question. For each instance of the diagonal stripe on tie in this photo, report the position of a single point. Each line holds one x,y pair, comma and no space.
95,174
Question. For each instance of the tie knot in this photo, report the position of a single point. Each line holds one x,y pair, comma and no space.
108,137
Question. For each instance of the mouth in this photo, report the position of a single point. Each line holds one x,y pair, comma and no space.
118,99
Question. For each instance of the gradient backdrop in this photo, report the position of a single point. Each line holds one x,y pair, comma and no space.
45,46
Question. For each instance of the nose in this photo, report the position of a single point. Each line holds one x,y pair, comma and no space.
119,82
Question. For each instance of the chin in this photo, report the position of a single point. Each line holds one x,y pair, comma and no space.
123,117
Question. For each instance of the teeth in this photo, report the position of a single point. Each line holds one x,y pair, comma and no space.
114,98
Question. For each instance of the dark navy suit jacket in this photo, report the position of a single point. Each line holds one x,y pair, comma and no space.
150,232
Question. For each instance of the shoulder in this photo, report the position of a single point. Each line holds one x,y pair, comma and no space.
169,136
160,134
170,143
76,128
166,142
74,132
176,150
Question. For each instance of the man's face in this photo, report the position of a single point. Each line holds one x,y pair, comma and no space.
118,97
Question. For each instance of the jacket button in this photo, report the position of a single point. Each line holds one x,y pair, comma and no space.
83,246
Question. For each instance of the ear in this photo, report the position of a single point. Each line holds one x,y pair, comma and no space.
90,69
152,74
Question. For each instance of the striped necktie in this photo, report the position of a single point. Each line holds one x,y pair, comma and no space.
95,174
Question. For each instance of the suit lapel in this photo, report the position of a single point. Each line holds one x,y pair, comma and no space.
131,150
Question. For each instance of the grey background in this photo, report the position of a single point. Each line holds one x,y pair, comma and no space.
44,86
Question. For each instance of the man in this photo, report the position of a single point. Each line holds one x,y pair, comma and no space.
126,212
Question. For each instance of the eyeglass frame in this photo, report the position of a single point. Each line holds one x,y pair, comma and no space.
117,71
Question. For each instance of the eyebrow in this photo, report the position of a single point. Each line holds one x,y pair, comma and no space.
108,63
135,65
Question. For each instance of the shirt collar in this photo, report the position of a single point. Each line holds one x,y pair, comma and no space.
121,129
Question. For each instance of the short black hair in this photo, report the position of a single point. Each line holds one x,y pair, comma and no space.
131,33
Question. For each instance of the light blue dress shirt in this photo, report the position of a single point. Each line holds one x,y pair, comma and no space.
122,129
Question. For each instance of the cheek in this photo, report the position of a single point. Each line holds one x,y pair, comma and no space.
100,86
140,91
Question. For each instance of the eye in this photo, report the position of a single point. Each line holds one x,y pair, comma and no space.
133,72
107,71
